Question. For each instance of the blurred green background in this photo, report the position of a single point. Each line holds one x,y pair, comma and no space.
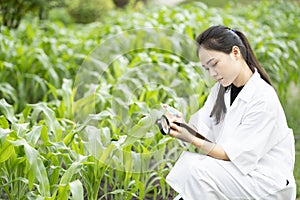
44,44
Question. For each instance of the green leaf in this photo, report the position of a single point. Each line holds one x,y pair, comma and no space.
107,154
37,168
141,128
20,129
3,122
34,135
7,110
94,145
76,190
6,151
8,91
44,135
4,133
83,107
63,189
50,118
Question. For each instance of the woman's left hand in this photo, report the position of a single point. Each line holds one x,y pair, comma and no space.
181,133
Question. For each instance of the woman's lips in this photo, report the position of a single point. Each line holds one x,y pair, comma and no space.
219,80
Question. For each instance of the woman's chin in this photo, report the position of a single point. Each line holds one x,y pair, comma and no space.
224,84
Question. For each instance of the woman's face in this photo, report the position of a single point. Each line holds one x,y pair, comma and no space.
224,68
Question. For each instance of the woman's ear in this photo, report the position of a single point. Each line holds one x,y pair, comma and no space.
235,52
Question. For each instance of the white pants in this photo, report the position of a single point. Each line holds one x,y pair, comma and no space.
200,177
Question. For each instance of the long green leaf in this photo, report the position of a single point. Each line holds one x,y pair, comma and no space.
50,118
37,168
6,151
141,128
76,190
7,110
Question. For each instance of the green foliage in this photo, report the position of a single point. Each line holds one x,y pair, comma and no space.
42,56
279,43
14,11
120,3
60,15
87,11
77,123
292,112
132,3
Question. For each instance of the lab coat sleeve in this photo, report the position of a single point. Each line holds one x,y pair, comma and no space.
201,120
253,138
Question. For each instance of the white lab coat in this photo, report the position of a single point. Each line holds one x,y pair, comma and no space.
256,138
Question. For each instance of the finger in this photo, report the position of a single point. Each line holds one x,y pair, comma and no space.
174,133
174,126
164,106
172,111
170,116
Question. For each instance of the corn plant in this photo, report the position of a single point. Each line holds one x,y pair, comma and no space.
79,104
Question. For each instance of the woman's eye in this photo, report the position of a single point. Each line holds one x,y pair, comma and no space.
215,64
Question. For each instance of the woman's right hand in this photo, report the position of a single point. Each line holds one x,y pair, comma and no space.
172,114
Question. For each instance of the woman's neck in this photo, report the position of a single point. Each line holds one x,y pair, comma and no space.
244,75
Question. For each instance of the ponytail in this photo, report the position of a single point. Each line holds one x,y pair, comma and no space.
221,38
251,59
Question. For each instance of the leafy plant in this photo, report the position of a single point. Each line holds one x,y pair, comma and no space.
79,103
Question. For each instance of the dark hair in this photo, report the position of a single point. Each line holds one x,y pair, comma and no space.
221,38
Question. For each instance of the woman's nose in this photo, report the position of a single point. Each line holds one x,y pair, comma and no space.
212,72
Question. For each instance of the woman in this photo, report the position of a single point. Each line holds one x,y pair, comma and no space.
252,153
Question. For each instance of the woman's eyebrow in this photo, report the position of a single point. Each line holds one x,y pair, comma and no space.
209,60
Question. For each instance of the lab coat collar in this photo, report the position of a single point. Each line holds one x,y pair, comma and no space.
246,94
248,91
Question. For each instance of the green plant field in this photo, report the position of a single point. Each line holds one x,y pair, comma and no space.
79,103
